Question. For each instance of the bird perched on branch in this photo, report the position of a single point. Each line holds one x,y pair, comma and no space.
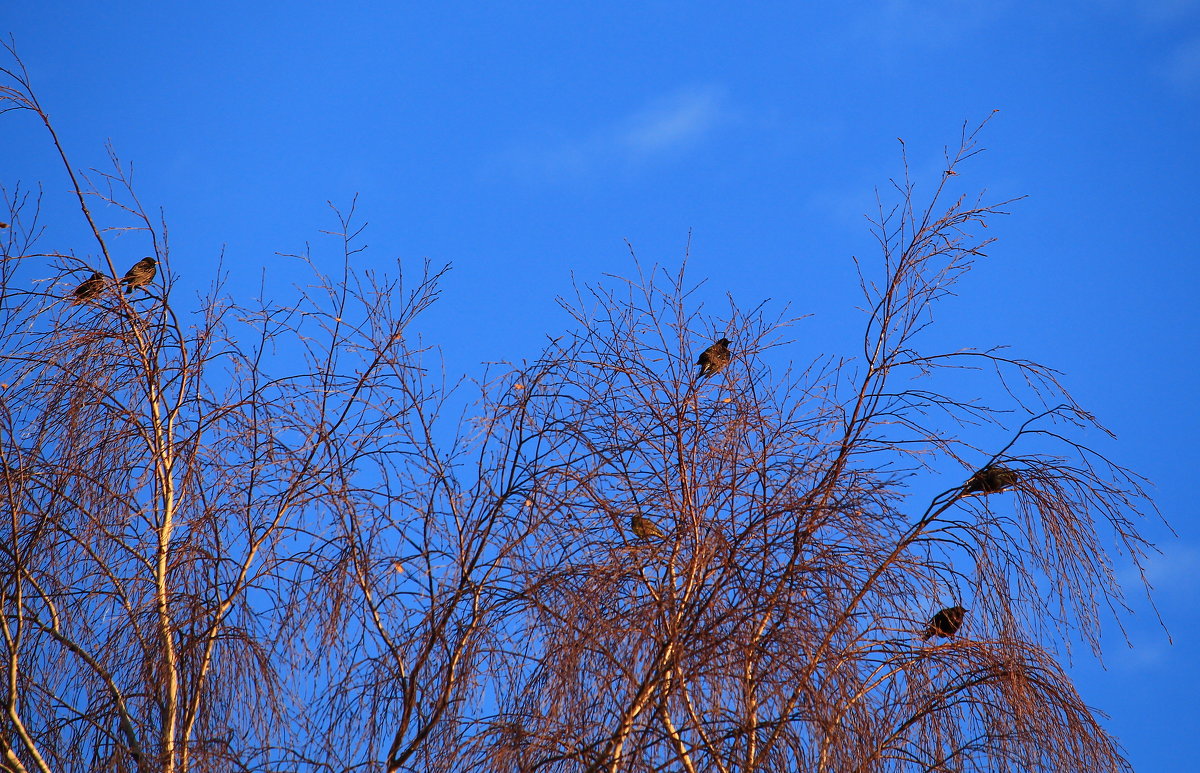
945,623
140,275
90,288
991,480
645,528
714,358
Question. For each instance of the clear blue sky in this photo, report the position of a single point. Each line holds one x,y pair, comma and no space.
524,141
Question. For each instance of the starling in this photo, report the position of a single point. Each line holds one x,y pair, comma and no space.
945,623
644,527
140,275
90,288
991,480
714,358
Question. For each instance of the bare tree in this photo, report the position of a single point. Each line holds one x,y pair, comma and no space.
251,538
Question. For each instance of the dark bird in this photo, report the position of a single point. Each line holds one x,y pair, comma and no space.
645,528
140,275
3,225
945,623
90,287
991,480
714,358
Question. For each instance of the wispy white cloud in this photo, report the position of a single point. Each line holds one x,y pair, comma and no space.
1142,654
926,22
1164,11
1183,66
665,128
1171,25
1175,570
674,123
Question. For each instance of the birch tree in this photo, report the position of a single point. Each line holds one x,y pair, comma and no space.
260,535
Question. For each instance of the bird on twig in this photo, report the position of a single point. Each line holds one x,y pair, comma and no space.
714,358
945,623
991,480
645,528
89,288
140,275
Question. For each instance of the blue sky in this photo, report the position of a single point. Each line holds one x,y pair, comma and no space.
525,141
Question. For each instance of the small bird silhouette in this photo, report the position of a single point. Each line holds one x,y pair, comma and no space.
714,358
645,528
3,225
991,480
90,288
945,623
140,275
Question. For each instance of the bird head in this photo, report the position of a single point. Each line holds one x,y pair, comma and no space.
725,342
